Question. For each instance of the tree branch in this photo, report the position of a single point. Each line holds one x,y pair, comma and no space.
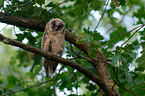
26,88
102,16
133,34
107,89
125,87
56,79
120,35
57,5
18,6
39,25
80,14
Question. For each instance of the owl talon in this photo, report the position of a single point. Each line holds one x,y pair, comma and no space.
57,54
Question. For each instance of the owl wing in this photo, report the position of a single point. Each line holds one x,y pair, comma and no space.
50,66
46,42
46,45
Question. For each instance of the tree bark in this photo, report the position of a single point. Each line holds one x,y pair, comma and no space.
103,72
39,25
100,64
107,89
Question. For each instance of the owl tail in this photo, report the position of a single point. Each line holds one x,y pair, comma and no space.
50,67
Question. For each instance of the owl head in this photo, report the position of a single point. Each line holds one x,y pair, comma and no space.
56,25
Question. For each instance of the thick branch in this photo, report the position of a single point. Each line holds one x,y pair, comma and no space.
91,76
22,22
39,25
70,37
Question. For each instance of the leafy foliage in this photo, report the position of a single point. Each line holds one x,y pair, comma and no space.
20,69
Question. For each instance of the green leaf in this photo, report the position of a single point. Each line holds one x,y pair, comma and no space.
1,3
36,11
112,4
30,37
50,4
141,63
17,88
140,14
21,93
92,52
122,2
87,31
40,2
12,80
20,37
97,36
91,87
1,92
71,0
96,4
23,57
141,60
116,59
139,79
79,4
72,95
115,33
37,60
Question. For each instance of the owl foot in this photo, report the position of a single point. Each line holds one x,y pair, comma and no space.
57,54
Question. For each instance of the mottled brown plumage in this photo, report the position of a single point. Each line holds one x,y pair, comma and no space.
53,42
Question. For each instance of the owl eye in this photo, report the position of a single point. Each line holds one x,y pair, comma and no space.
59,28
53,25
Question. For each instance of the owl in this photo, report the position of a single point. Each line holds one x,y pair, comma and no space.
53,41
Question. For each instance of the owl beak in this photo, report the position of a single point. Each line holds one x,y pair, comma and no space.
55,32
56,28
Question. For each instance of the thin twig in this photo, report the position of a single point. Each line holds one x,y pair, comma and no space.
59,72
118,36
131,1
6,89
70,75
108,59
109,63
56,78
132,35
139,88
125,87
100,93
74,58
101,16
116,77
113,87
3,28
74,51
17,6
79,14
117,23
57,5
76,82
78,54
27,88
